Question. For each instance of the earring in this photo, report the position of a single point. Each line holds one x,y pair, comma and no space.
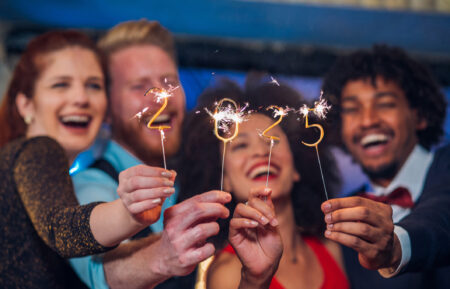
28,119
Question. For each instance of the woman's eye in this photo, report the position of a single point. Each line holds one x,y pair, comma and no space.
60,85
96,86
238,146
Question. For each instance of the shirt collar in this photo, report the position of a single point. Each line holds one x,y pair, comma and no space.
119,157
411,176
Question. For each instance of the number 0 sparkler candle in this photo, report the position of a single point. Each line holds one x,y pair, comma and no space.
320,109
224,117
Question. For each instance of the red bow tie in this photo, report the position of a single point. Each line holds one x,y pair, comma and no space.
400,197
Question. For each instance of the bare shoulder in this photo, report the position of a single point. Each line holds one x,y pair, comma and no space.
224,272
335,251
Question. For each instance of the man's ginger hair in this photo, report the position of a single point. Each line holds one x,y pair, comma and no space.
140,32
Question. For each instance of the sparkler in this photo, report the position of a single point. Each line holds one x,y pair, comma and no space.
278,112
224,117
320,109
161,95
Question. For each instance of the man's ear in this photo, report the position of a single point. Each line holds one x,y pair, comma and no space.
421,123
25,106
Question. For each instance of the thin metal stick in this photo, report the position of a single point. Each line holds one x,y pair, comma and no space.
268,167
321,172
223,164
162,145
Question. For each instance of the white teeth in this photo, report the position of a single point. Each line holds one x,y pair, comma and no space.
261,170
373,138
75,118
162,118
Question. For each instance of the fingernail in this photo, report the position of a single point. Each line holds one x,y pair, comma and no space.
156,201
252,223
264,220
274,222
267,190
327,233
168,183
169,191
328,217
166,174
330,226
327,206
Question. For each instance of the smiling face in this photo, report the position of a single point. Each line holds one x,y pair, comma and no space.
69,100
133,71
378,127
247,157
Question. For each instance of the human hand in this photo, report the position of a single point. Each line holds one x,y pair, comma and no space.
143,189
365,226
187,226
255,237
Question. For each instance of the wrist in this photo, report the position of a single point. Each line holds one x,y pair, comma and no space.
396,253
250,280
130,220
157,265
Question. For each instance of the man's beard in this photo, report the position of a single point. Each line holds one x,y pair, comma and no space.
387,171
132,138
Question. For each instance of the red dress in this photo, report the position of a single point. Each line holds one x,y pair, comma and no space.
334,277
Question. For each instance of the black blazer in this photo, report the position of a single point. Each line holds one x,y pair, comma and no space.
428,226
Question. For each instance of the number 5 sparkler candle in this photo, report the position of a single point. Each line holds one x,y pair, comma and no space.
320,109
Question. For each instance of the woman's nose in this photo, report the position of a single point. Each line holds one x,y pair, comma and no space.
80,96
261,148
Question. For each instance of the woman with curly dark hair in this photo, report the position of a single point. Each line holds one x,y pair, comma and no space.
289,210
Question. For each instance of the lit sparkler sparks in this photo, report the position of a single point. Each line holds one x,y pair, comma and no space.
274,81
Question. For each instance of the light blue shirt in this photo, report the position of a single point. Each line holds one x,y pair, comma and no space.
411,176
94,185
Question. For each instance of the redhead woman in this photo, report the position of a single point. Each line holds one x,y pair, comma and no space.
52,110
275,235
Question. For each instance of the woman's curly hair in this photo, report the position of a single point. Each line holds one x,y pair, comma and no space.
392,64
200,159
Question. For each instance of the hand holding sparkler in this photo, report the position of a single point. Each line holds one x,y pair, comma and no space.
143,189
320,109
